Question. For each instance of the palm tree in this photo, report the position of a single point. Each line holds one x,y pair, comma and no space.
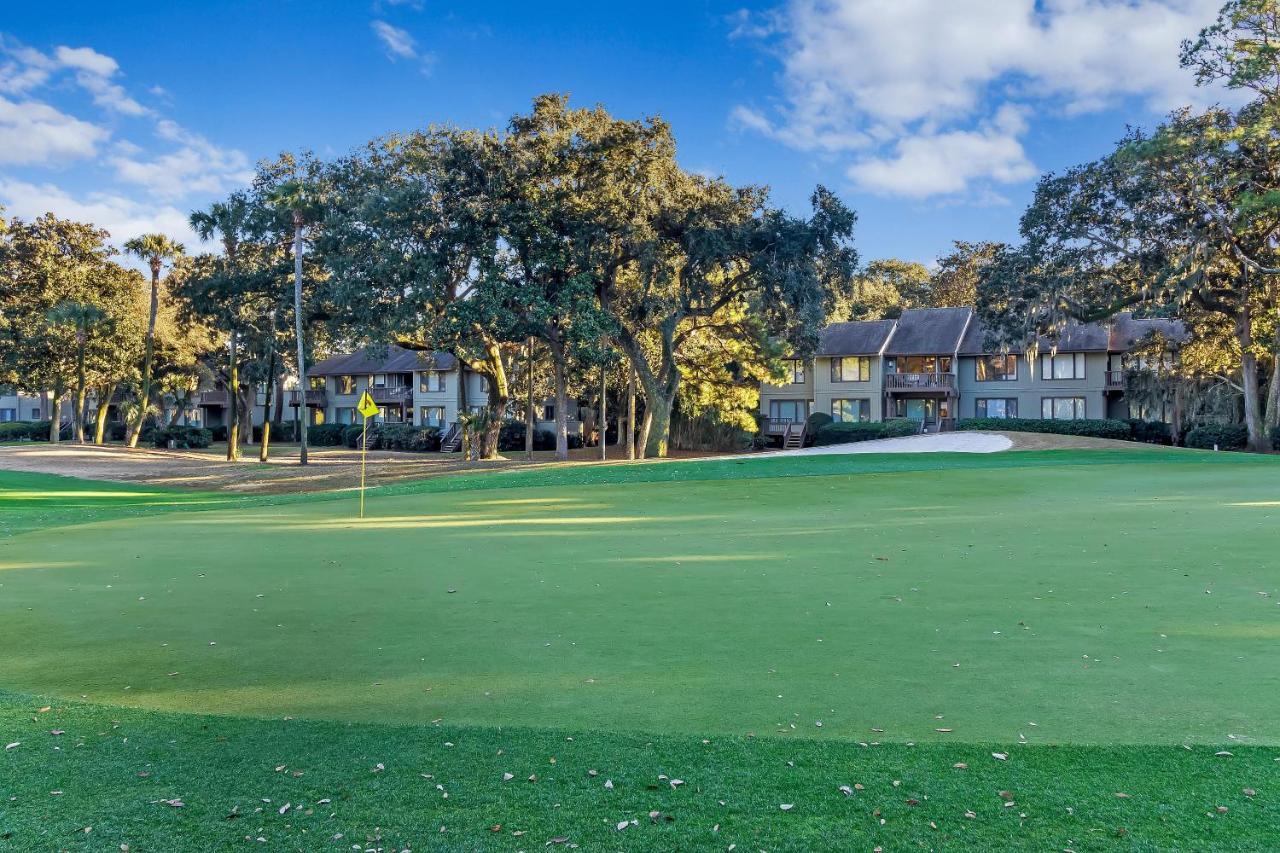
83,317
155,249
293,197
227,221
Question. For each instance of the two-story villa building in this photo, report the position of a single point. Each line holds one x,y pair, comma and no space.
935,365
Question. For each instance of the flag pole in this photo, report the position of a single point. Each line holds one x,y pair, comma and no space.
364,449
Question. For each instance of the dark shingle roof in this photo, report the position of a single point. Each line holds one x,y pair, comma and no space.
396,360
1127,330
861,337
928,331
1117,335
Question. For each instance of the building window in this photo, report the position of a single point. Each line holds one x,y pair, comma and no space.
996,368
344,415
788,411
433,416
7,415
378,380
850,411
795,371
315,383
855,368
919,364
548,413
1064,365
35,414
1003,407
346,385
1062,408
431,380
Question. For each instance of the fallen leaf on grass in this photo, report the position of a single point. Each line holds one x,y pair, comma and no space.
507,777
786,807
1000,756
846,790
960,765
14,745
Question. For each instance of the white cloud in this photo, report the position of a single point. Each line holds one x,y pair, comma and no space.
398,42
196,166
86,59
34,133
943,163
122,216
880,77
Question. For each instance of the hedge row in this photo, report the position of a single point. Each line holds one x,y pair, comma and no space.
389,436
1097,428
24,431
1222,436
843,432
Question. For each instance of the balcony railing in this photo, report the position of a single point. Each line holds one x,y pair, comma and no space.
919,382
398,396
1115,380
213,398
777,426
316,398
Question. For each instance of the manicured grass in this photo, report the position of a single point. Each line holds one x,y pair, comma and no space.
113,770
1108,619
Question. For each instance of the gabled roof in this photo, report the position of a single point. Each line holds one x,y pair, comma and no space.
1127,330
929,331
396,360
1117,335
860,337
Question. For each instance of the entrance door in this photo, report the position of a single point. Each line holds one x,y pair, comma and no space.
918,409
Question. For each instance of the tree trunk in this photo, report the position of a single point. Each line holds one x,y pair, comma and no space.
266,400
100,422
145,405
1271,419
233,397
562,402
631,414
530,424
499,396
82,389
302,357
55,414
1249,381
604,413
657,411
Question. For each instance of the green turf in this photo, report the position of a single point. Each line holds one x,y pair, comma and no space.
1105,611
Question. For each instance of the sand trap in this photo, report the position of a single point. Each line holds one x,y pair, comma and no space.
945,442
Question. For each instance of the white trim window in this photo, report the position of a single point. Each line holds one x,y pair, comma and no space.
795,371
1063,365
996,407
851,368
431,381
996,368
1062,408
851,410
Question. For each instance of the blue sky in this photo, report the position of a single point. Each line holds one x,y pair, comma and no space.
931,118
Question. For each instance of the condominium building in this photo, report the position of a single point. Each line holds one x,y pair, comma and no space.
935,365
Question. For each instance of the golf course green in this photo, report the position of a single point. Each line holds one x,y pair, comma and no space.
1094,609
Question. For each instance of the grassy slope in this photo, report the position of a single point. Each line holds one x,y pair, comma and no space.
1067,793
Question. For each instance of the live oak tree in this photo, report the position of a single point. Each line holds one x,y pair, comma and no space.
882,289
56,286
954,284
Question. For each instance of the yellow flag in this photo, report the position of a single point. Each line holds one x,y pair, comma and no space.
366,406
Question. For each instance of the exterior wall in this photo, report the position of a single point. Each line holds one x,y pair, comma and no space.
788,391
825,389
21,407
1030,387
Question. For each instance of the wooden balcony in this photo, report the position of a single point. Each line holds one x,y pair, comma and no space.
777,426
398,396
316,398
940,383
213,398
1115,380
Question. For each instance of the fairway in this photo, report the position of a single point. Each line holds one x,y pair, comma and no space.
1048,599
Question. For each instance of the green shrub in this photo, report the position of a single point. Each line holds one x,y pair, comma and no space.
1275,438
183,437
23,430
320,435
1224,436
841,432
283,431
1097,428
512,437
1150,432
116,430
219,432
351,435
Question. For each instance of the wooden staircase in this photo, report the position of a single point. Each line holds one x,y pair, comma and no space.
452,441
793,436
